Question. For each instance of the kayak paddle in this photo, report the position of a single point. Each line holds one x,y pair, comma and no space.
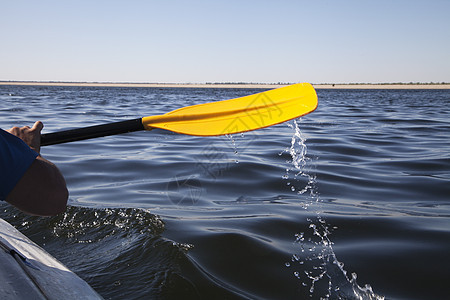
210,119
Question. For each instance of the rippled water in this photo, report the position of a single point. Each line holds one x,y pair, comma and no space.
351,201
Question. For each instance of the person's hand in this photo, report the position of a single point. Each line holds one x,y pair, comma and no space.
31,136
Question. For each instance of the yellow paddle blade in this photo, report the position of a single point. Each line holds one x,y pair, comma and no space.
240,114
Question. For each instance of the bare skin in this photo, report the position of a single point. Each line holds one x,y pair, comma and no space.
42,189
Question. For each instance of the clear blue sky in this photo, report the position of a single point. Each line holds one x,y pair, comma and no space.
226,41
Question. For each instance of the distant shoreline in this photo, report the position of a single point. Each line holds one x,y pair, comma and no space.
232,85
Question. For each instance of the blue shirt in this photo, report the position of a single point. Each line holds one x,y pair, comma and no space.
15,159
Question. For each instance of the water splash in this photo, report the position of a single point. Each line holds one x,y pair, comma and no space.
302,181
316,265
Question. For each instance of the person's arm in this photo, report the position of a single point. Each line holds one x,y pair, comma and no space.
42,189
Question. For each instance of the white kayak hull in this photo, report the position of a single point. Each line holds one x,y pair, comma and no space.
28,272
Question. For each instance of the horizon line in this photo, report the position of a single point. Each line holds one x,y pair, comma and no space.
225,82
235,85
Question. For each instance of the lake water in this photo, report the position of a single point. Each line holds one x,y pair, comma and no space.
349,202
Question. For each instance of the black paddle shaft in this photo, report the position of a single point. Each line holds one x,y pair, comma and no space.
91,132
